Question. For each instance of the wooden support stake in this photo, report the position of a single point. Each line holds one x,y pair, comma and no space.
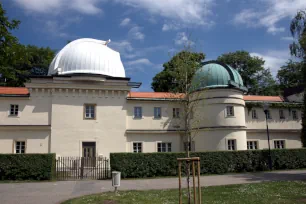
180,182
199,185
194,184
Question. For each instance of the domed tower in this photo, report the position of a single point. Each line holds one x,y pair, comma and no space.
219,113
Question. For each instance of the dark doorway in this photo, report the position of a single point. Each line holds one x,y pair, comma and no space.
89,153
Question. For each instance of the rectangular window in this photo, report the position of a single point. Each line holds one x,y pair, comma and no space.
294,115
163,147
137,147
137,112
20,147
14,110
254,114
176,112
89,111
279,144
281,114
230,111
231,144
269,114
157,112
252,144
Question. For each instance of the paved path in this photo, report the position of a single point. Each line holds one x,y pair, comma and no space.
55,192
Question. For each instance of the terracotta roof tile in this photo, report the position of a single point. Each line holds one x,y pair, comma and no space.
263,98
14,91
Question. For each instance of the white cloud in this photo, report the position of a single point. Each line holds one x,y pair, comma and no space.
57,29
273,59
269,14
125,22
170,26
183,39
135,33
193,12
288,39
142,61
57,6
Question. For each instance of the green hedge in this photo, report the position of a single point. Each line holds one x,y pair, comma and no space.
27,166
140,165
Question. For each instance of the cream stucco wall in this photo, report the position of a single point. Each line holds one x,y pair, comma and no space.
149,141
275,122
292,139
37,141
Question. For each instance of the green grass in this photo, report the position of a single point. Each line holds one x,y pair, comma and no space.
267,192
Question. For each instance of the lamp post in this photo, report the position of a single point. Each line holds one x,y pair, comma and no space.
266,110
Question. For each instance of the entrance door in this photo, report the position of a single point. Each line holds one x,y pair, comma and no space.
89,153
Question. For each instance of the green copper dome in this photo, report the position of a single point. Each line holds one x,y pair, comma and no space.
214,74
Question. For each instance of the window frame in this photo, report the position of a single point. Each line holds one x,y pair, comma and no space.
228,112
277,141
141,147
160,112
166,147
176,112
256,116
294,116
281,116
269,114
15,112
254,142
136,116
232,145
95,111
15,147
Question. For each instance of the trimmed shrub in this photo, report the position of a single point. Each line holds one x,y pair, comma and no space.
27,166
141,165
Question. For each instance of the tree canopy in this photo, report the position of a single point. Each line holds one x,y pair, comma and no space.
298,49
256,78
17,61
290,75
168,80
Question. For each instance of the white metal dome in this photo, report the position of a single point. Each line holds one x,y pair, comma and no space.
87,56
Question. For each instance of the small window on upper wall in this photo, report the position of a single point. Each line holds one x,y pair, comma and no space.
164,147
294,115
269,114
281,114
14,109
279,144
157,112
137,147
90,111
252,145
230,111
176,112
231,144
20,147
137,112
254,114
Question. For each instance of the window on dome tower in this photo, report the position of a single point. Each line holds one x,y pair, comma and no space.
230,111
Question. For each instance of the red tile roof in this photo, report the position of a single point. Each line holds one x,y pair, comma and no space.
263,98
14,91
165,95
156,95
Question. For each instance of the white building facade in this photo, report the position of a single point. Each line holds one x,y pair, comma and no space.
85,107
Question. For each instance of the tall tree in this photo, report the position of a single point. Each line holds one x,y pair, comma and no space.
290,75
256,78
298,49
18,62
165,81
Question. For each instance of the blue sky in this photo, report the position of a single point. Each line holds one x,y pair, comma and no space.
148,32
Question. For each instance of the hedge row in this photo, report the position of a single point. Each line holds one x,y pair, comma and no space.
27,166
140,165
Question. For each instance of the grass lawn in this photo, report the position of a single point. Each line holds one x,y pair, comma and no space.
267,192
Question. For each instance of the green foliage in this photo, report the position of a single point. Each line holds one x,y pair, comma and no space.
256,78
142,165
18,62
173,76
27,166
290,75
298,49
